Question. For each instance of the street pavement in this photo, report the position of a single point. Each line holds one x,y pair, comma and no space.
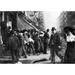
36,58
39,59
29,60
32,59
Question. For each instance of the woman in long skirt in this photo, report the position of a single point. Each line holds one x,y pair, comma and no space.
70,51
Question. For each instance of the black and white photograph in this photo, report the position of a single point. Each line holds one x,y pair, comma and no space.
37,37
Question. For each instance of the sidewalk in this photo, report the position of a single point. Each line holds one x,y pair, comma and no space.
39,59
29,60
35,58
32,59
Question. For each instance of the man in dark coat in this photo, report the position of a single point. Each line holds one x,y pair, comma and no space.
37,43
54,44
41,44
46,37
13,46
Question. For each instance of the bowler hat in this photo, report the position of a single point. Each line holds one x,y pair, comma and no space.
53,28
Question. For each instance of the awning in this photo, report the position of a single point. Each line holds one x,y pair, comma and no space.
24,24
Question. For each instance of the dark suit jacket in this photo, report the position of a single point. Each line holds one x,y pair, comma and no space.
54,40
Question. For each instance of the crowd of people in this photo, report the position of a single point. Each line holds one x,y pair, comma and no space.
34,41
31,42
26,42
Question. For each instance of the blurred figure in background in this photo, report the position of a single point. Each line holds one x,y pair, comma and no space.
21,47
37,43
26,41
41,42
31,45
46,38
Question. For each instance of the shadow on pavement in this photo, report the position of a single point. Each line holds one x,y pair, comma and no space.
38,61
6,62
